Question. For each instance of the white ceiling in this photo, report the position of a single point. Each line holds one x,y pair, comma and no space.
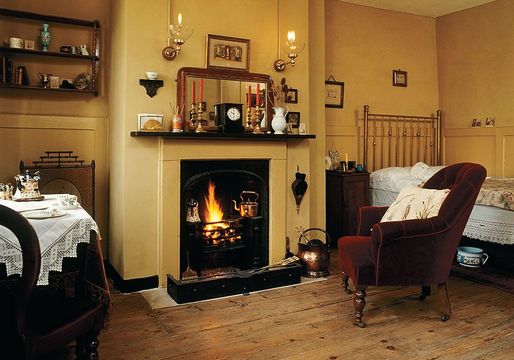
432,8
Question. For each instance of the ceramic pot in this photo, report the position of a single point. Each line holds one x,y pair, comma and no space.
471,256
45,37
278,123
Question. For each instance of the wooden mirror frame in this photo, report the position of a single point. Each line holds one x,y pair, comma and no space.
222,74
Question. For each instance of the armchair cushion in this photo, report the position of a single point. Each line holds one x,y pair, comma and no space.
415,203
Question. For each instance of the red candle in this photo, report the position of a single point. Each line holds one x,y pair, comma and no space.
194,97
257,96
249,96
200,98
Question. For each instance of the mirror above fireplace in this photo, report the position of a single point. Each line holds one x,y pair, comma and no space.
222,86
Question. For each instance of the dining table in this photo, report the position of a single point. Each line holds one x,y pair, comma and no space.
60,231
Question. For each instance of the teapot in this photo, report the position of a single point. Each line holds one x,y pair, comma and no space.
45,79
27,186
247,208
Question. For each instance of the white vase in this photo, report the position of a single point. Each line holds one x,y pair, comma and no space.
279,119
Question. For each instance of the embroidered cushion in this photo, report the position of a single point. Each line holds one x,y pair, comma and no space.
415,203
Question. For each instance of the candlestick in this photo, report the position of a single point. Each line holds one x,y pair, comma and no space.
192,115
194,86
257,126
200,99
249,117
199,127
257,96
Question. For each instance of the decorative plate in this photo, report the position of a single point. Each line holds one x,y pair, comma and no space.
44,214
82,81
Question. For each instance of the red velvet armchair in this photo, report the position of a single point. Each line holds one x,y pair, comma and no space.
415,252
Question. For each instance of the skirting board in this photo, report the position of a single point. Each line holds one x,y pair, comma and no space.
130,285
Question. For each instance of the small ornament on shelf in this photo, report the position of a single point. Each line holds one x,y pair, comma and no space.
45,37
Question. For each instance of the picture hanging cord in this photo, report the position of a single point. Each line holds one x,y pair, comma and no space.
278,29
331,78
168,24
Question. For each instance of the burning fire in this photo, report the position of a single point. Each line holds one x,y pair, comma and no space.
212,211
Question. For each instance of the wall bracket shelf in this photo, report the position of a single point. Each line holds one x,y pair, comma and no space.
151,86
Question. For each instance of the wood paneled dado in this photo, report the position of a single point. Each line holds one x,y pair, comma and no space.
491,147
26,137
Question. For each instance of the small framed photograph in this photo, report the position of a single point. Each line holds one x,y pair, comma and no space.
228,52
302,130
30,45
334,94
290,130
292,96
399,78
293,118
150,122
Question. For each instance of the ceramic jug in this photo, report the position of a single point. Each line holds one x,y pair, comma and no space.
278,123
45,79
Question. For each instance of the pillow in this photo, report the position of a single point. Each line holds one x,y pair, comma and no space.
419,170
415,203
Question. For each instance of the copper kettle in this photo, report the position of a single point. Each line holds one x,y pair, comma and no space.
247,208
314,254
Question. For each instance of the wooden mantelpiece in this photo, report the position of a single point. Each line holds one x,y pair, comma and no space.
220,136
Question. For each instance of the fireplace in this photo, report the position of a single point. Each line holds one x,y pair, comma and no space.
224,230
215,238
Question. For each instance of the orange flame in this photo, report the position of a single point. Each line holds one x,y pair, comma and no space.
212,211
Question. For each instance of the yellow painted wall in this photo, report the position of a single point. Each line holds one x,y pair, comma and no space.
32,122
139,32
363,46
476,77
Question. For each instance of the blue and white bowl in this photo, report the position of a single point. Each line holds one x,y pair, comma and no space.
471,256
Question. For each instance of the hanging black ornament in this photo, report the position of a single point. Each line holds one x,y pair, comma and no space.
299,187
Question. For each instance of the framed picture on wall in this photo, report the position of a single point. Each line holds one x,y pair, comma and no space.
334,93
292,96
399,78
228,52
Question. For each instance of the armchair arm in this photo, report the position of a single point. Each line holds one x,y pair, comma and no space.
387,232
369,216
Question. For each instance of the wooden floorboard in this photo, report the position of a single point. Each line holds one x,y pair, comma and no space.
314,321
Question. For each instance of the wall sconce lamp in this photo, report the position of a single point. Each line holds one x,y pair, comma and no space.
177,33
291,49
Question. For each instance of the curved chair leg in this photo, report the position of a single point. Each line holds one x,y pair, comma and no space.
345,277
359,301
425,291
445,301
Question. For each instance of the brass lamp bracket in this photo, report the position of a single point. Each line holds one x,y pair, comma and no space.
151,86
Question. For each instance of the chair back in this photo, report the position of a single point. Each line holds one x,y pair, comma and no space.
464,180
62,172
29,244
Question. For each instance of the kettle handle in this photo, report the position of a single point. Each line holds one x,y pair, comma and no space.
327,236
248,192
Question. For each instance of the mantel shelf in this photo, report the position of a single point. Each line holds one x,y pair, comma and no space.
221,136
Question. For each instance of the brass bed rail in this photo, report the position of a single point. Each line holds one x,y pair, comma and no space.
401,140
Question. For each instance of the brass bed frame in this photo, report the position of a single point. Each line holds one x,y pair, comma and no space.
401,140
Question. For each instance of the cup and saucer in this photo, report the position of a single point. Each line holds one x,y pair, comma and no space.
67,202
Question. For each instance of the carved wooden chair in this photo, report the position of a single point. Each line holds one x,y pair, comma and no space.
415,252
64,173
43,319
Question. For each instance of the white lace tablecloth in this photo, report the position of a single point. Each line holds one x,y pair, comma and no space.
58,237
